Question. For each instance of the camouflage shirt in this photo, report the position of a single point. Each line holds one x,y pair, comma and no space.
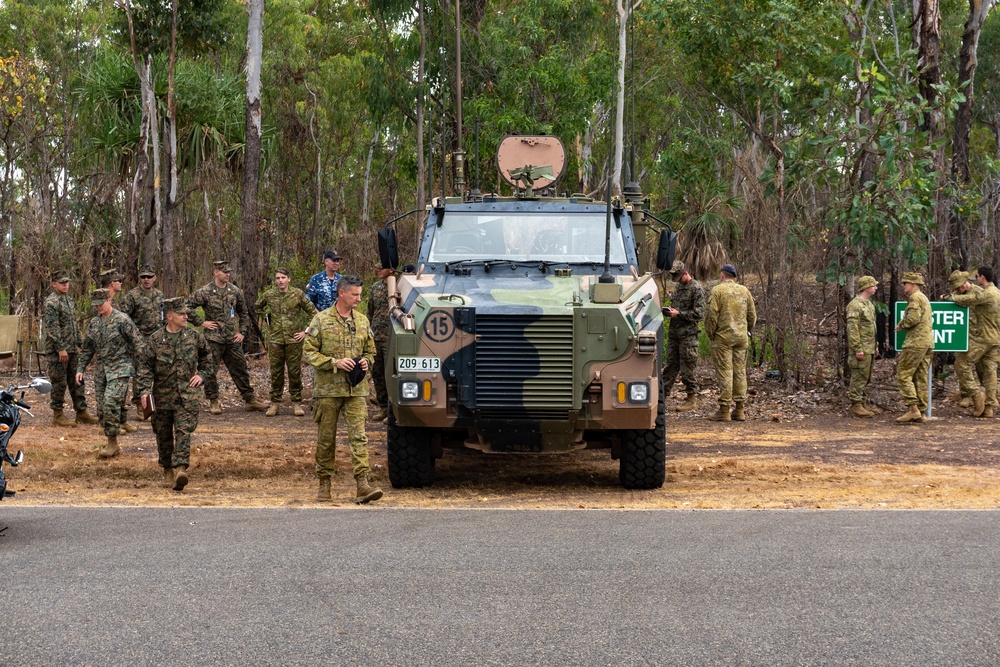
378,312
145,307
984,313
689,299
730,313
168,364
224,305
330,337
59,325
322,290
918,322
861,326
115,341
284,314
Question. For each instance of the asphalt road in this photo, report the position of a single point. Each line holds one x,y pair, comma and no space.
209,586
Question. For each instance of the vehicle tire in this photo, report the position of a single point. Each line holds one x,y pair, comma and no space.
643,463
411,462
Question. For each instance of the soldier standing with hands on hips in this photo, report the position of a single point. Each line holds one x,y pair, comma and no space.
339,345
224,305
286,312
175,363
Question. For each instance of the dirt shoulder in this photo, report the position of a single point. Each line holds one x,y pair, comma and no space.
799,451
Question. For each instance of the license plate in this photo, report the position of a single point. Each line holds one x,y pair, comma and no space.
418,364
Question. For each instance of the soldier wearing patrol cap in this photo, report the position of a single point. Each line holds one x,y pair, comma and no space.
983,301
729,317
111,280
915,358
225,324
686,310
175,363
861,344
144,305
61,345
114,340
322,287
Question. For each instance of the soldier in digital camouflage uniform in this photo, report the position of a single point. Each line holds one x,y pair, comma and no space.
114,340
286,312
61,346
686,310
861,344
729,316
337,340
915,358
111,280
224,307
175,364
378,315
144,306
983,301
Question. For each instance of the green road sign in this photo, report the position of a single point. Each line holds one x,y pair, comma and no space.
951,326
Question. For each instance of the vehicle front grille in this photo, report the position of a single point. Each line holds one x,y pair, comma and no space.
524,365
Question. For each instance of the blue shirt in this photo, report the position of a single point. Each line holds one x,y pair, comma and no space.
322,290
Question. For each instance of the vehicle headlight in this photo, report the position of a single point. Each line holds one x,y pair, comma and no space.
638,392
409,390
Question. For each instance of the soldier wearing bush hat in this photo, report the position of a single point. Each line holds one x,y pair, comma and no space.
915,358
686,310
861,345
983,301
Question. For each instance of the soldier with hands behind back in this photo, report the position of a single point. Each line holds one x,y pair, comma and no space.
861,344
729,317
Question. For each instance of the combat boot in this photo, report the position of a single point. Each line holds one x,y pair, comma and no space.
272,411
721,415
323,495
988,412
59,419
253,405
128,427
859,410
966,402
214,407
380,415
110,450
297,410
84,417
979,404
168,477
912,415
688,403
738,415
180,478
366,492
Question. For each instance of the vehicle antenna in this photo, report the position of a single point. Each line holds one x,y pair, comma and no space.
476,192
606,277
459,155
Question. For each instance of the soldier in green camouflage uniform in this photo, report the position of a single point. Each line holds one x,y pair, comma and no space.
175,364
861,345
983,301
729,317
114,340
686,310
338,339
286,312
61,346
224,308
144,306
378,315
111,280
915,358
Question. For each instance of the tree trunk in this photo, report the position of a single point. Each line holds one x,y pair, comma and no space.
253,246
623,16
169,269
421,167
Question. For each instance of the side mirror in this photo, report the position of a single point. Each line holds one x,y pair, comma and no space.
41,385
388,253
666,250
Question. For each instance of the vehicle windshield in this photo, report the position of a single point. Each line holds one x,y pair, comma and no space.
525,237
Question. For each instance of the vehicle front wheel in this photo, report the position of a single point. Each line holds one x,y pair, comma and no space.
411,460
643,463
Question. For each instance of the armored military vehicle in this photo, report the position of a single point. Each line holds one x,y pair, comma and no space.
525,326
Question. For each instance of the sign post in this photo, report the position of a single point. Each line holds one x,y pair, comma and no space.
950,324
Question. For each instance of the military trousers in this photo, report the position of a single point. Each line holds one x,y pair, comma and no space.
861,374
111,401
682,358
911,375
281,356
378,375
173,430
326,411
730,372
232,355
981,358
63,378
100,382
